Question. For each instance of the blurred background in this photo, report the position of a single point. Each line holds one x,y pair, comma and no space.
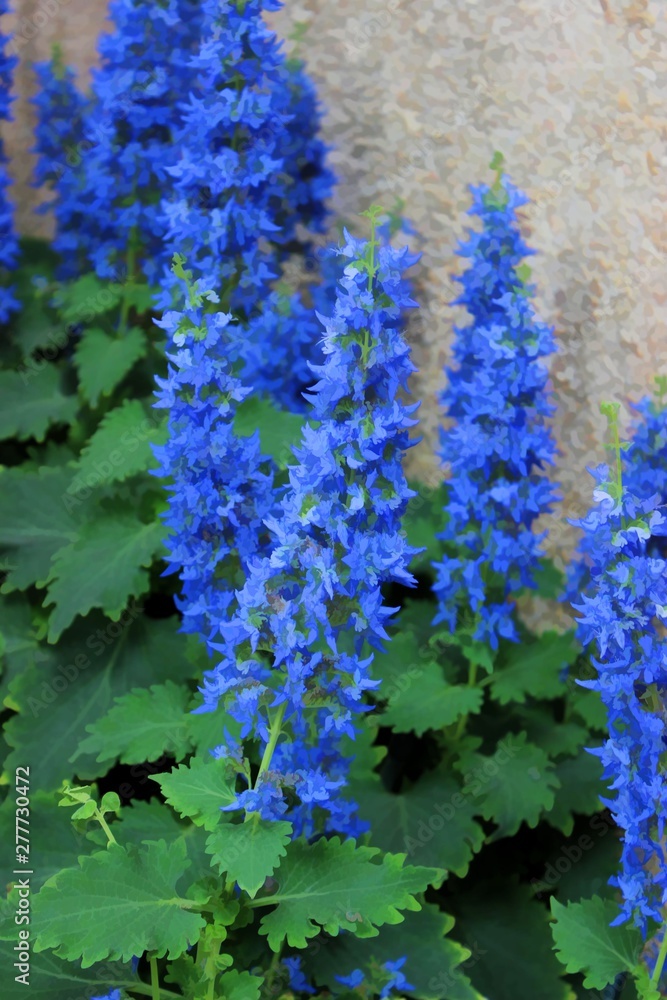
417,96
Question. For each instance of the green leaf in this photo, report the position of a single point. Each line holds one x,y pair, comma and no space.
156,821
433,961
590,708
279,430
233,985
586,943
336,885
249,852
199,790
432,822
431,704
34,523
511,787
97,661
103,361
118,903
53,979
580,789
533,669
120,447
142,725
101,569
21,647
30,402
54,841
509,936
81,300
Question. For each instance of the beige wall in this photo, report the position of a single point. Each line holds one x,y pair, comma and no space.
419,93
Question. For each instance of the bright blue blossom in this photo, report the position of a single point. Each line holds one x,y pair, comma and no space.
222,488
298,981
622,617
498,439
396,982
111,995
124,141
250,167
8,239
335,539
645,462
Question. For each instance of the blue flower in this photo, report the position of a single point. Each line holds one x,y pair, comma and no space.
10,249
298,981
221,487
498,441
335,539
621,618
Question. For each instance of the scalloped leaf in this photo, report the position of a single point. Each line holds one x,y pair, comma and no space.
103,568
585,942
121,445
512,786
118,903
142,725
199,790
533,669
103,361
30,402
335,885
249,852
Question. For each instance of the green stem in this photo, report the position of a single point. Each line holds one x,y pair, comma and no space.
105,826
146,990
274,735
660,964
130,278
472,679
155,982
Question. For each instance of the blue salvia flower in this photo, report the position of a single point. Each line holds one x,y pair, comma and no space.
61,146
336,539
644,473
397,981
645,462
126,133
8,240
621,617
222,488
246,176
499,438
298,981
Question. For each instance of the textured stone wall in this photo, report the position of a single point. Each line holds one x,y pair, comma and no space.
418,95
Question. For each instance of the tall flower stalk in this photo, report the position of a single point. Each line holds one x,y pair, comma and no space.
291,667
499,439
621,619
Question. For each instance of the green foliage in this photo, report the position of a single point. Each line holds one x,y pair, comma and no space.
103,361
30,403
142,725
117,903
510,787
509,935
121,445
586,943
199,790
335,885
249,852
533,669
119,547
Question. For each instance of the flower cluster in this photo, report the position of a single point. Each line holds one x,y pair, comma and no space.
288,665
250,167
499,439
645,463
9,242
222,489
621,617
123,139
